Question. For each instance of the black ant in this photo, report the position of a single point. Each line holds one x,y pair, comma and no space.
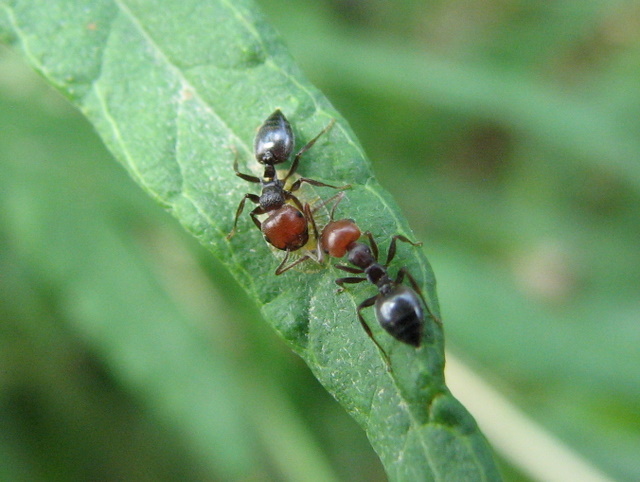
397,306
286,227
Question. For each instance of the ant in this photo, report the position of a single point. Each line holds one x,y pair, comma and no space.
286,227
397,306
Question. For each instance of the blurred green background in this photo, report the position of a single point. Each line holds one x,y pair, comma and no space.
508,131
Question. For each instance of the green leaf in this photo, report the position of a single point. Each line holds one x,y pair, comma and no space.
172,88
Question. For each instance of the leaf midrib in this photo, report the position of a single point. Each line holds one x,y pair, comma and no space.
186,84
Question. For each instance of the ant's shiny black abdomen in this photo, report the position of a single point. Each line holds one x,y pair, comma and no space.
400,313
274,141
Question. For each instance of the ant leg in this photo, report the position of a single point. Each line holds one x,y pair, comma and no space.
309,145
372,242
309,216
392,247
365,304
349,280
279,269
282,268
292,197
255,213
251,197
400,277
349,269
246,177
311,219
296,185
340,196
336,197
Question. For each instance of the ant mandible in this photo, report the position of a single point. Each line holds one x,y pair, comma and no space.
286,227
397,306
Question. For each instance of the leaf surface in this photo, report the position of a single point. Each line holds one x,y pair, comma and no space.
173,88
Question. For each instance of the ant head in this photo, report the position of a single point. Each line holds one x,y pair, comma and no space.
274,141
361,256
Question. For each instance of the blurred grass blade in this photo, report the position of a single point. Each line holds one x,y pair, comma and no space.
170,87
515,436
581,127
